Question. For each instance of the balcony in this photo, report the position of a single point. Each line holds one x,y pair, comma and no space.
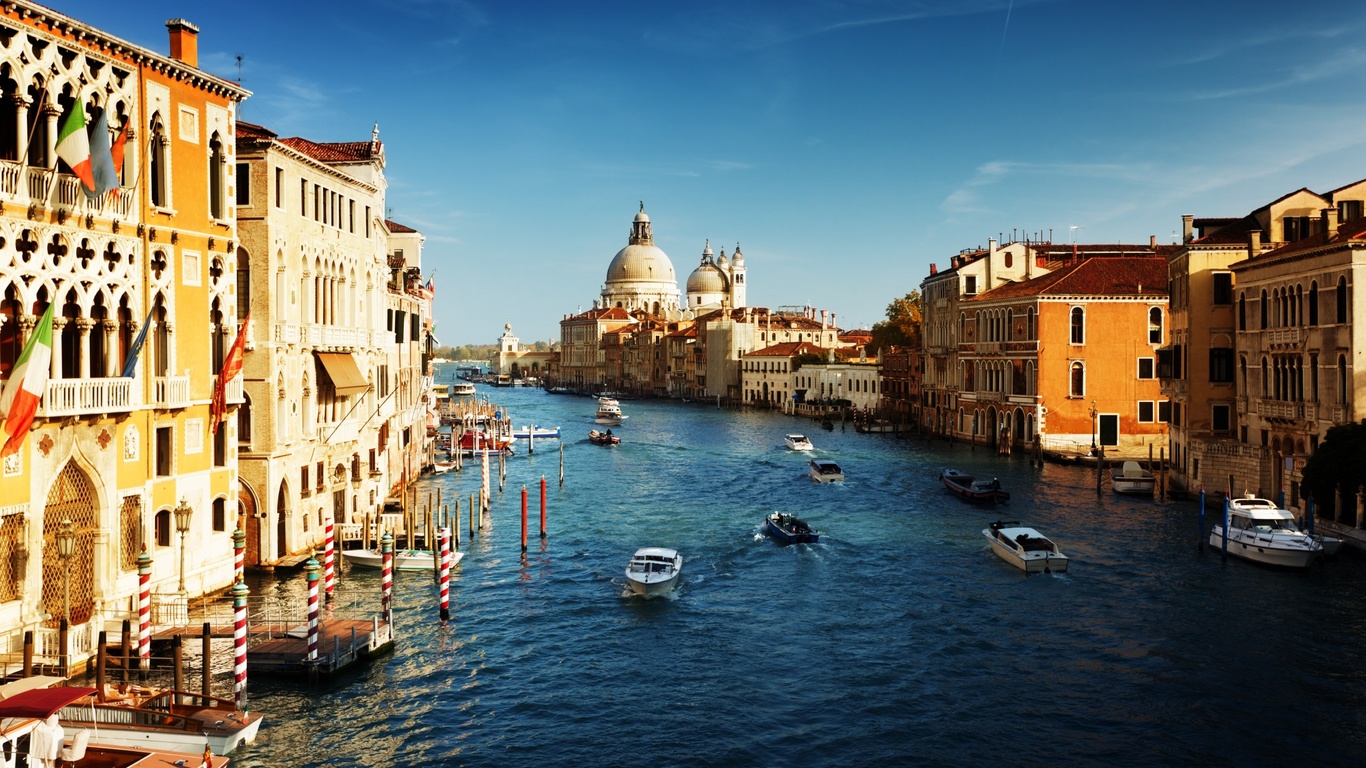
171,392
25,185
1279,409
82,397
233,391
1283,337
286,333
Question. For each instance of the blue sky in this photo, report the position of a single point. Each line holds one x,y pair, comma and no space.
845,145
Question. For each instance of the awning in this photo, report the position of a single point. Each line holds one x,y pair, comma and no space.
346,377
41,703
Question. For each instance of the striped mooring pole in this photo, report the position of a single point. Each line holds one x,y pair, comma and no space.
144,609
445,537
329,561
239,640
311,569
239,552
386,597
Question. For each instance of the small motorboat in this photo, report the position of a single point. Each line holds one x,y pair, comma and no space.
404,559
654,571
533,432
477,443
603,438
1024,548
787,529
609,412
968,488
1132,478
798,443
442,466
825,471
1262,532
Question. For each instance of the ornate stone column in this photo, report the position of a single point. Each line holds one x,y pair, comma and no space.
50,114
21,136
84,325
113,366
58,325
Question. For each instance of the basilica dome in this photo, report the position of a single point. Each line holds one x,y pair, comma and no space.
641,277
708,277
641,263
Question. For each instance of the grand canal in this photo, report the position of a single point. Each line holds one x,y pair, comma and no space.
898,640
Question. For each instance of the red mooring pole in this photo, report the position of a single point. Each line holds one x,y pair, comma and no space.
311,569
239,640
386,596
543,506
524,518
144,611
445,537
329,563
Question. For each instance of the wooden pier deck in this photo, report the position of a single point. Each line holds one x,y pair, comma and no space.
282,647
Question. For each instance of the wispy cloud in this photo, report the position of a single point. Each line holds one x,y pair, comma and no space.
1334,65
965,199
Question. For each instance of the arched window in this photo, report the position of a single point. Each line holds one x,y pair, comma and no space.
1155,325
1264,309
1029,324
1342,300
163,528
158,160
1078,326
244,422
11,339
161,339
1077,386
1314,303
1266,380
217,161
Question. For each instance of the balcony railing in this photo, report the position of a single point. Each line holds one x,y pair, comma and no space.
24,185
171,391
79,397
233,391
1283,336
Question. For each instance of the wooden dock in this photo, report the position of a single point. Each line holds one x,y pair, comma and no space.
341,643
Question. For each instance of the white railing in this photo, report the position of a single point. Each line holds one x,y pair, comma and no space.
77,397
171,391
233,393
39,183
340,337
287,333
10,172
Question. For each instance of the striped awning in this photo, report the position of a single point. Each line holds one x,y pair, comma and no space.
342,369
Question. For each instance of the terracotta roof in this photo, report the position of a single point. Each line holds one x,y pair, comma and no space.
394,226
684,333
339,152
788,349
1233,231
249,131
1109,276
1348,232
602,313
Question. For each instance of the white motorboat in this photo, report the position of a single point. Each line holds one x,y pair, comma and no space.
1262,532
404,559
1025,548
798,443
609,412
533,432
1132,478
825,471
654,571
462,389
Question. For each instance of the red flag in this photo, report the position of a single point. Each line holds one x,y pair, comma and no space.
116,151
232,365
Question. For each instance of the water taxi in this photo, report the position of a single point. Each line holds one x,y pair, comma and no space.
825,471
1024,548
798,443
1262,532
654,571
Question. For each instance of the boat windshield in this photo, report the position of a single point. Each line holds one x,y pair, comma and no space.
1275,525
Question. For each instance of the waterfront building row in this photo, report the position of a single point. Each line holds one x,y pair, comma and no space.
195,234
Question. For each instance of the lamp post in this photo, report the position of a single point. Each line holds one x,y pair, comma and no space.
66,550
1093,426
182,525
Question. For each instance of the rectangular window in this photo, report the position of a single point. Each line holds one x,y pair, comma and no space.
1145,368
1145,411
399,326
1176,415
1296,228
351,216
1164,411
317,209
1350,209
367,221
322,480
279,187
243,184
1223,288
165,451
220,446
1219,418
303,197
970,285
1221,365
305,487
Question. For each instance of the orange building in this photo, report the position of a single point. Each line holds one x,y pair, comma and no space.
1069,358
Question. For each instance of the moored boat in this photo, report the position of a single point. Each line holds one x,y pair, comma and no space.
788,529
476,443
969,488
442,466
404,559
1132,478
1024,548
533,432
654,571
825,471
1262,532
603,438
798,443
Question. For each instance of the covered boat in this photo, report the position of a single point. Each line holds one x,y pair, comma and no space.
609,412
825,471
798,443
1024,548
404,559
969,488
1132,478
654,571
788,529
1262,532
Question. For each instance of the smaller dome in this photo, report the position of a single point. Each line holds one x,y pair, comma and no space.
737,258
642,216
707,278
721,260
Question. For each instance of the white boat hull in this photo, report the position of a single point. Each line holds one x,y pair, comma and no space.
1030,562
404,559
1133,486
1260,551
652,588
166,740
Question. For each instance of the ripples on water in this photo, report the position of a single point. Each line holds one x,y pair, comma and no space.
899,638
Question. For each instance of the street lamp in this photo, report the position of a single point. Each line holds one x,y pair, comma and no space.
182,524
1093,426
66,550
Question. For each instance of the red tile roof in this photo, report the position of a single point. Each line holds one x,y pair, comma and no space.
1108,276
788,349
249,131
394,226
1351,232
339,152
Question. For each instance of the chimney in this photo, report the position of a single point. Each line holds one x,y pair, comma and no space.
833,324
184,41
1330,223
1152,242
992,244
1187,228
934,269
823,317
1254,243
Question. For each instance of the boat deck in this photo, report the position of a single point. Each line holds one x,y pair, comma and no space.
100,756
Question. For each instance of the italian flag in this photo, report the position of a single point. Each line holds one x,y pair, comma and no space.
73,146
26,384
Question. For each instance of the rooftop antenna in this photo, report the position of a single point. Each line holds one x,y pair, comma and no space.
239,69
1074,229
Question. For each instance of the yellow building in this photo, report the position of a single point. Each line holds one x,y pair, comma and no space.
115,456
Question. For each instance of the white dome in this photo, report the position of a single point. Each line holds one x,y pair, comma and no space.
642,263
707,278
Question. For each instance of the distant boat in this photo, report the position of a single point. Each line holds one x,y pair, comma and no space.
462,389
1024,548
787,529
603,438
442,466
654,571
798,443
609,412
825,471
969,488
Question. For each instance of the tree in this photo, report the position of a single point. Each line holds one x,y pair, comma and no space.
901,326
1339,460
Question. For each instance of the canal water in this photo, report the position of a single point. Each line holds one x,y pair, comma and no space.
899,639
